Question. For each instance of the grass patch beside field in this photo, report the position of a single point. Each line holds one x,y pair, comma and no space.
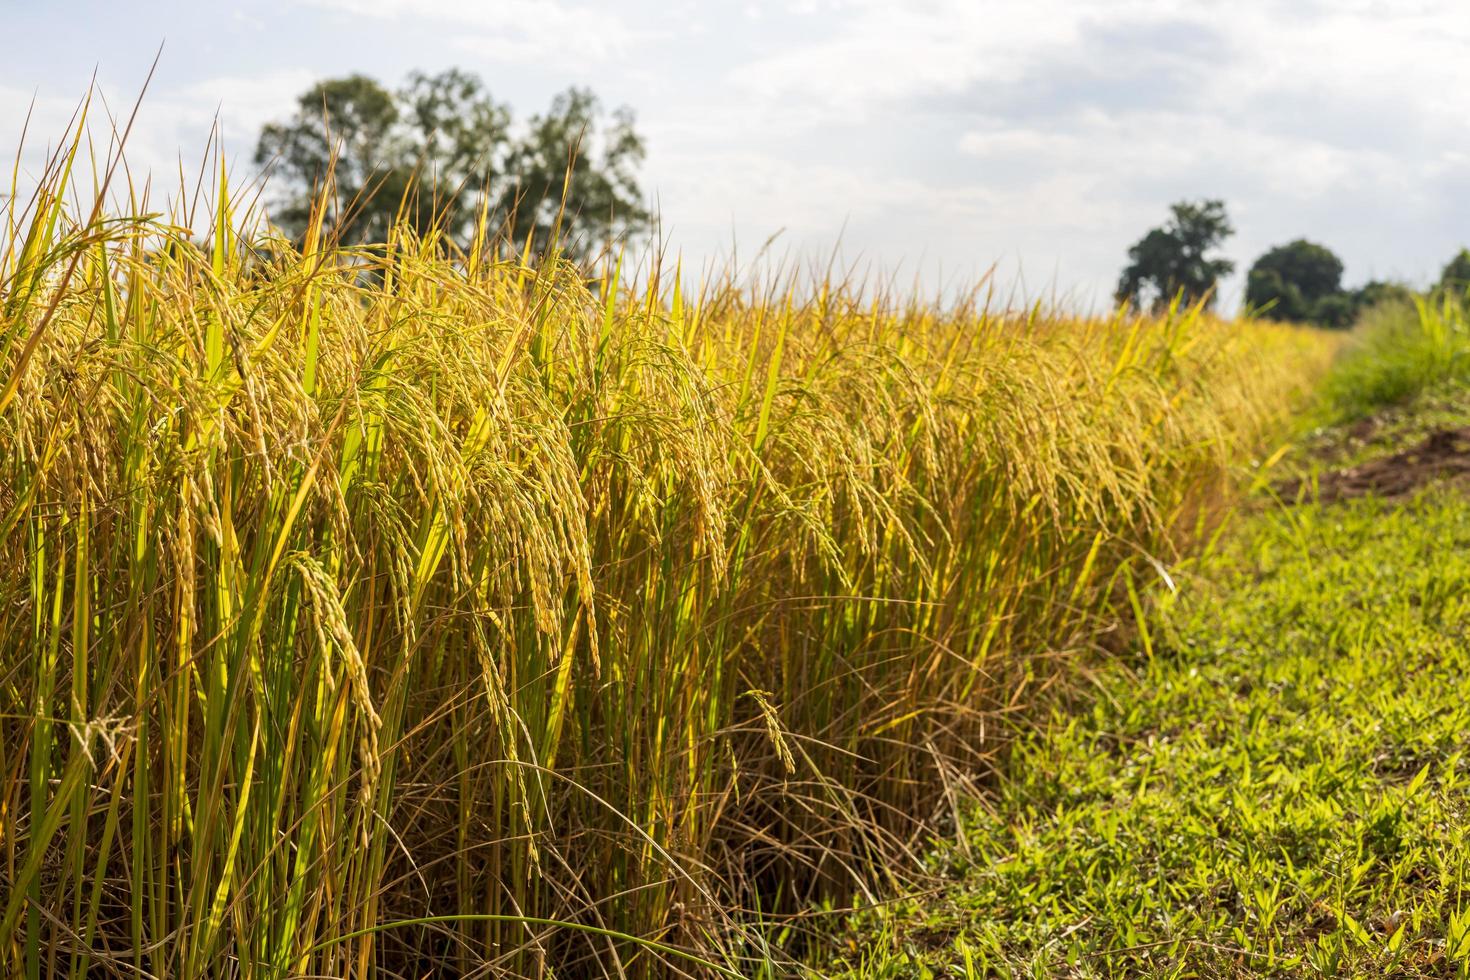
1399,354
1279,790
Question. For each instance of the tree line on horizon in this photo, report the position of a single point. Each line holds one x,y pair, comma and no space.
440,153
1300,281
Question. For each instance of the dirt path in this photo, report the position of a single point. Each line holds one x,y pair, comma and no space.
1443,454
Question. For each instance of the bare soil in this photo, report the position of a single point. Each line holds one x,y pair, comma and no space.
1443,455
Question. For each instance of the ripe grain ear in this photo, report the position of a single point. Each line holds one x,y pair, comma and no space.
415,606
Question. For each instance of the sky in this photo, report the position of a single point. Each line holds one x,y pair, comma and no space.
924,140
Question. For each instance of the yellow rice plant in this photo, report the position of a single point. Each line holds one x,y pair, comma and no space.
406,611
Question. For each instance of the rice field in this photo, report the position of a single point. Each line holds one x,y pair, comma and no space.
424,609
1272,782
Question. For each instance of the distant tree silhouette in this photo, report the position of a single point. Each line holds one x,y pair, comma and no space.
601,191
1174,260
1300,281
1378,292
1456,274
442,144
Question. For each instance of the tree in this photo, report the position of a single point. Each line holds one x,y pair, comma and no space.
1456,275
1380,292
602,198
1300,281
440,151
1174,261
342,124
1335,310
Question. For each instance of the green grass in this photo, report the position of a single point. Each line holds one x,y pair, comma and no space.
1279,790
1398,354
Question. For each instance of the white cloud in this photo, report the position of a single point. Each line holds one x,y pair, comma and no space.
1086,118
1050,133
171,133
884,51
242,104
767,193
514,31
